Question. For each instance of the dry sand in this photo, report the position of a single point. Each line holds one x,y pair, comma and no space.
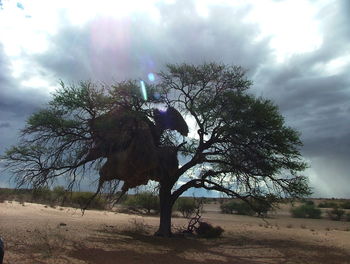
34,233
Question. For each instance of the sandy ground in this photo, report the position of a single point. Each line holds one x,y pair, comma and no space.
34,233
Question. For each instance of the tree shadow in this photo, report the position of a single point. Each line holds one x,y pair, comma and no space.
126,247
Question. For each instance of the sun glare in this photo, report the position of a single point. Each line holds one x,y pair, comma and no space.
291,25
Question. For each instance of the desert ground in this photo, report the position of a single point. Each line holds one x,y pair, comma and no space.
34,233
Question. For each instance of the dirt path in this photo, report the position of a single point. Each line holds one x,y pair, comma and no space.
35,234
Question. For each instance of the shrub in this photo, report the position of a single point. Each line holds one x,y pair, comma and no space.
186,206
137,227
240,208
306,211
259,205
228,208
143,201
308,202
42,194
262,206
345,205
327,205
336,214
206,230
347,216
58,194
84,198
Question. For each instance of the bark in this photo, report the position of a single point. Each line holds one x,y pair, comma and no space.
166,205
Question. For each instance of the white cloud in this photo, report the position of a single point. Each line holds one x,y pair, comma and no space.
76,40
291,24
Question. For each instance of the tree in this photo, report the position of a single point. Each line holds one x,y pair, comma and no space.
239,144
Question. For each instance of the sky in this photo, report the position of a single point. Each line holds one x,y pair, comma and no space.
297,54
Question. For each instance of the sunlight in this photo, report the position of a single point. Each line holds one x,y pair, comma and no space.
290,24
338,65
38,83
202,8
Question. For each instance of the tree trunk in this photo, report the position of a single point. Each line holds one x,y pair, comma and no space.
166,205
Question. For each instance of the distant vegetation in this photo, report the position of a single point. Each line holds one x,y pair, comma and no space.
345,205
261,207
139,203
186,206
336,214
146,202
327,204
58,196
236,207
306,211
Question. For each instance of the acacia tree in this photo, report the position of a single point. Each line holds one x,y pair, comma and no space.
238,145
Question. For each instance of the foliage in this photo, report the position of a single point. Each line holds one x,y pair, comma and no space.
262,205
308,202
259,205
242,146
345,205
15,194
306,211
236,207
143,201
59,194
81,199
206,230
42,194
327,204
186,206
347,216
54,197
336,214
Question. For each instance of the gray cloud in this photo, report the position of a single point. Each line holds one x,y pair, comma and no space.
14,98
314,101
5,124
317,102
106,48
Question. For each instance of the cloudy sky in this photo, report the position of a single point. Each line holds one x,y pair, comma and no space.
297,53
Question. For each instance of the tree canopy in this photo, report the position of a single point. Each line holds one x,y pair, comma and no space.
229,140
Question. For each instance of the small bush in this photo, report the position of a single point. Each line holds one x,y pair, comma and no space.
58,194
308,202
206,230
327,205
306,211
228,208
347,216
186,206
258,205
143,201
336,214
137,227
262,206
82,199
234,207
50,242
345,205
42,194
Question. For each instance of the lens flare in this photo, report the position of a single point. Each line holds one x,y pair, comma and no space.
143,90
151,77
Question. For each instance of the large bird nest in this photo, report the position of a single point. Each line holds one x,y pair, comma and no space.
130,142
